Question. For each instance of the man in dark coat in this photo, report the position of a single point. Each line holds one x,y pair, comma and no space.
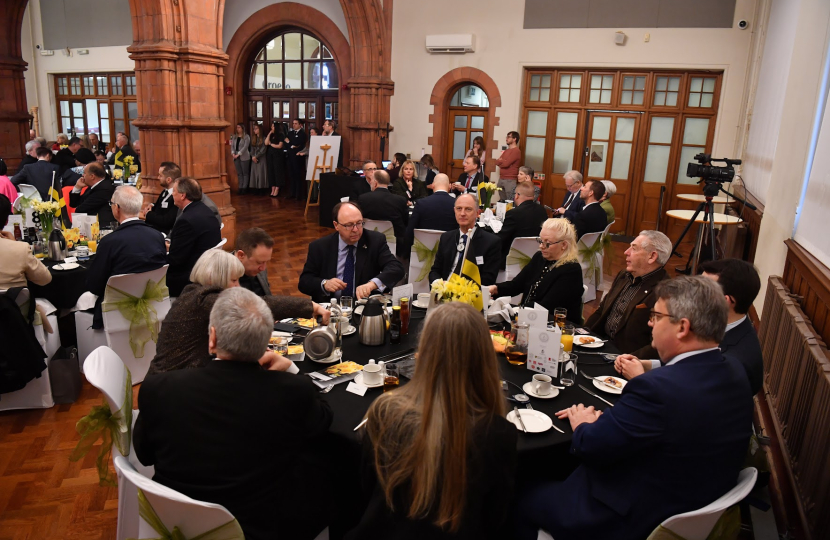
161,215
363,184
65,158
592,218
436,212
525,219
471,177
297,140
95,201
383,205
571,201
41,175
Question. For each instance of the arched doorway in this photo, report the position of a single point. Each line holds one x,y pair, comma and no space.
466,120
293,75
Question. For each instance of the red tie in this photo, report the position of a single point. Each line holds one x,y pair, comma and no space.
469,181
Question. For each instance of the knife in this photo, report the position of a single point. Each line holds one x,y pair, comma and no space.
595,395
521,422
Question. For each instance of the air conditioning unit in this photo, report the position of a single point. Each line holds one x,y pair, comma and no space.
451,43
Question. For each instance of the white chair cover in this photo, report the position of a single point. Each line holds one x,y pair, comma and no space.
30,192
543,535
590,276
88,339
385,228
117,328
421,257
221,243
521,251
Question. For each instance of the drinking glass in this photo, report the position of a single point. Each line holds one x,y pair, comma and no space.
568,369
392,378
560,315
280,345
346,306
516,347
568,337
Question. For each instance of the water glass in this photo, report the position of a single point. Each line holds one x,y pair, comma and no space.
516,348
346,306
567,368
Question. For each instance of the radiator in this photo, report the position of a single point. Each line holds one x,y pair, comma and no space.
797,383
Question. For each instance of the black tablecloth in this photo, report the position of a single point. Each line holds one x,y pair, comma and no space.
66,285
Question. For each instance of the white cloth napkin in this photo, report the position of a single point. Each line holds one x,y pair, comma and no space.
85,302
496,225
501,310
486,216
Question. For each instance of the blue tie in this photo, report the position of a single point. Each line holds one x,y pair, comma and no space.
348,272
461,255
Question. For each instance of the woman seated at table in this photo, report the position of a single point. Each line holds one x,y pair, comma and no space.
440,456
407,184
553,277
183,339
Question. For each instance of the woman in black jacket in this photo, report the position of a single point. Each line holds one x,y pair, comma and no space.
553,277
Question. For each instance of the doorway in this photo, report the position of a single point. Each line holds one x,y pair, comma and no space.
467,119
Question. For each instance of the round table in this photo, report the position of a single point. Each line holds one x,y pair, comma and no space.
718,219
66,285
696,197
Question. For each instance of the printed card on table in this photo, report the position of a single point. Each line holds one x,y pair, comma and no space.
536,317
402,291
16,218
543,350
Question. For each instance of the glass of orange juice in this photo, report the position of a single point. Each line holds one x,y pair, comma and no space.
93,245
568,337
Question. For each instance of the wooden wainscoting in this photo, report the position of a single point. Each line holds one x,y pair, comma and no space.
806,277
752,221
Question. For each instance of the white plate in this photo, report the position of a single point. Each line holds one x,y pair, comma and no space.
534,421
417,304
359,380
528,388
330,360
66,266
277,333
349,331
578,341
608,388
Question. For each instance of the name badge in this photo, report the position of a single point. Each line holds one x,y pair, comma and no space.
164,204
479,260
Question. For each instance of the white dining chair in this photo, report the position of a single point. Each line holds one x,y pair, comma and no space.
421,257
591,264
386,229
521,251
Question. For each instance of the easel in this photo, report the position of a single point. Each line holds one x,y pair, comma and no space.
315,177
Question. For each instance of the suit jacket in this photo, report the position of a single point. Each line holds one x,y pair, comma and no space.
243,148
202,428
560,288
592,218
95,201
64,159
382,204
133,248
38,175
164,213
576,204
418,191
633,334
195,232
211,206
639,462
741,343
477,179
484,244
435,212
18,265
359,187
298,140
523,220
372,260
27,160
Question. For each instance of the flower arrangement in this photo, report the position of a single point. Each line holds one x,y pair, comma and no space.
129,168
117,174
73,236
485,193
45,212
457,289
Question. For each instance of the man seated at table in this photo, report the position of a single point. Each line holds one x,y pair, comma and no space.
623,314
195,232
40,174
740,283
65,158
95,201
592,217
254,248
436,212
71,176
235,434
363,185
133,248
18,264
471,177
467,242
122,150
525,219
31,154
383,205
572,200
351,262
674,442
161,215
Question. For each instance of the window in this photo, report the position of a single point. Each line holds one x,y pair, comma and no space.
666,90
293,61
539,88
470,96
601,86
701,92
633,90
569,87
695,137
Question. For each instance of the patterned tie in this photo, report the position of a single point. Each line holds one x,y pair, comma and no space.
469,181
461,255
568,202
348,273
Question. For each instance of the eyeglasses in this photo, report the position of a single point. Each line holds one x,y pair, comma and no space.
546,245
111,203
370,169
655,316
352,226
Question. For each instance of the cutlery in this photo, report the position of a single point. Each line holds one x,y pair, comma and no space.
360,425
521,422
601,381
326,389
595,395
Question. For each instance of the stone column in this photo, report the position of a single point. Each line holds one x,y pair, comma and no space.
14,120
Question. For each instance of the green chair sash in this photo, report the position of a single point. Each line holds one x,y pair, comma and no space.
727,528
426,256
144,322
389,234
111,428
229,531
590,254
517,257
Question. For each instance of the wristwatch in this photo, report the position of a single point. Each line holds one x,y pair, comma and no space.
323,284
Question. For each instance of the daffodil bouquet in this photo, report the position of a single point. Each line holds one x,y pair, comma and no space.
129,168
456,289
485,193
45,212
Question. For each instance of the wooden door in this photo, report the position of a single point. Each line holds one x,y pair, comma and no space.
610,154
73,117
465,124
651,188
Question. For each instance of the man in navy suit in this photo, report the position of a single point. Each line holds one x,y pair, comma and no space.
133,248
435,212
40,174
195,232
471,177
592,218
674,442
524,220
383,205
571,201
95,201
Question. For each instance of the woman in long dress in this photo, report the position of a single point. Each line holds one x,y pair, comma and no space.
275,158
259,168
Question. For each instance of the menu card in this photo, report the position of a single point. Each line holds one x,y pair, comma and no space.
402,291
535,317
544,349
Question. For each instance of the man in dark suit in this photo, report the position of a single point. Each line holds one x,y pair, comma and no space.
329,130
436,212
525,219
31,154
592,218
131,249
65,158
254,248
83,157
363,184
162,214
638,465
381,204
95,144
351,262
40,174
297,141
195,232
467,242
122,150
471,177
572,200
235,434
95,201
623,313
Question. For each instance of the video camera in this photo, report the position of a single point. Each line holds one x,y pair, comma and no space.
712,173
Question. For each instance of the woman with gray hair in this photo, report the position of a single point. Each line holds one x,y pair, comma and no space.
605,203
183,341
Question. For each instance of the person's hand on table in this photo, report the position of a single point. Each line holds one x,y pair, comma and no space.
7,235
579,414
493,291
320,311
629,366
334,285
363,291
274,362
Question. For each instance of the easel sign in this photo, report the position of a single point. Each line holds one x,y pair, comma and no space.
322,158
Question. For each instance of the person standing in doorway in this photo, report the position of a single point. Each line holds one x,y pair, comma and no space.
508,165
275,158
240,150
296,141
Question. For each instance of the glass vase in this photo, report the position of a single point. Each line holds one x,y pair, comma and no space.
47,223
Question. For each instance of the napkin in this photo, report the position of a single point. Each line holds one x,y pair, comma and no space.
486,216
496,225
501,310
85,302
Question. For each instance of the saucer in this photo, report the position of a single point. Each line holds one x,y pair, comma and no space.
534,421
66,266
335,357
349,331
419,305
359,380
528,388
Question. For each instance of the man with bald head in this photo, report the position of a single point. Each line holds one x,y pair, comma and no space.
466,242
434,212
383,205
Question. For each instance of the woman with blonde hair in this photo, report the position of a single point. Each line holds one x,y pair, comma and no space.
553,277
407,184
183,339
441,455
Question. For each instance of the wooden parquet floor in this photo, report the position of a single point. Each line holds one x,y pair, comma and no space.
45,496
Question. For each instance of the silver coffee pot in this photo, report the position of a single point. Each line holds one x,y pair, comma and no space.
373,323
57,245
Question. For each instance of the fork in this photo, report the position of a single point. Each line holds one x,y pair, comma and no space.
529,406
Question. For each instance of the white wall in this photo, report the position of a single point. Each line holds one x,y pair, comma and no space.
504,48
39,83
238,11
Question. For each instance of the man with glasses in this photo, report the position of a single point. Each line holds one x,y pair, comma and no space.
478,246
363,185
351,262
95,200
623,313
572,200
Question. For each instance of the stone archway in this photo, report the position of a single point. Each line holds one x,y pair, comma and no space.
442,94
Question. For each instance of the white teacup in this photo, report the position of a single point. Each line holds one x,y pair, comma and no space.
423,298
541,384
371,374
